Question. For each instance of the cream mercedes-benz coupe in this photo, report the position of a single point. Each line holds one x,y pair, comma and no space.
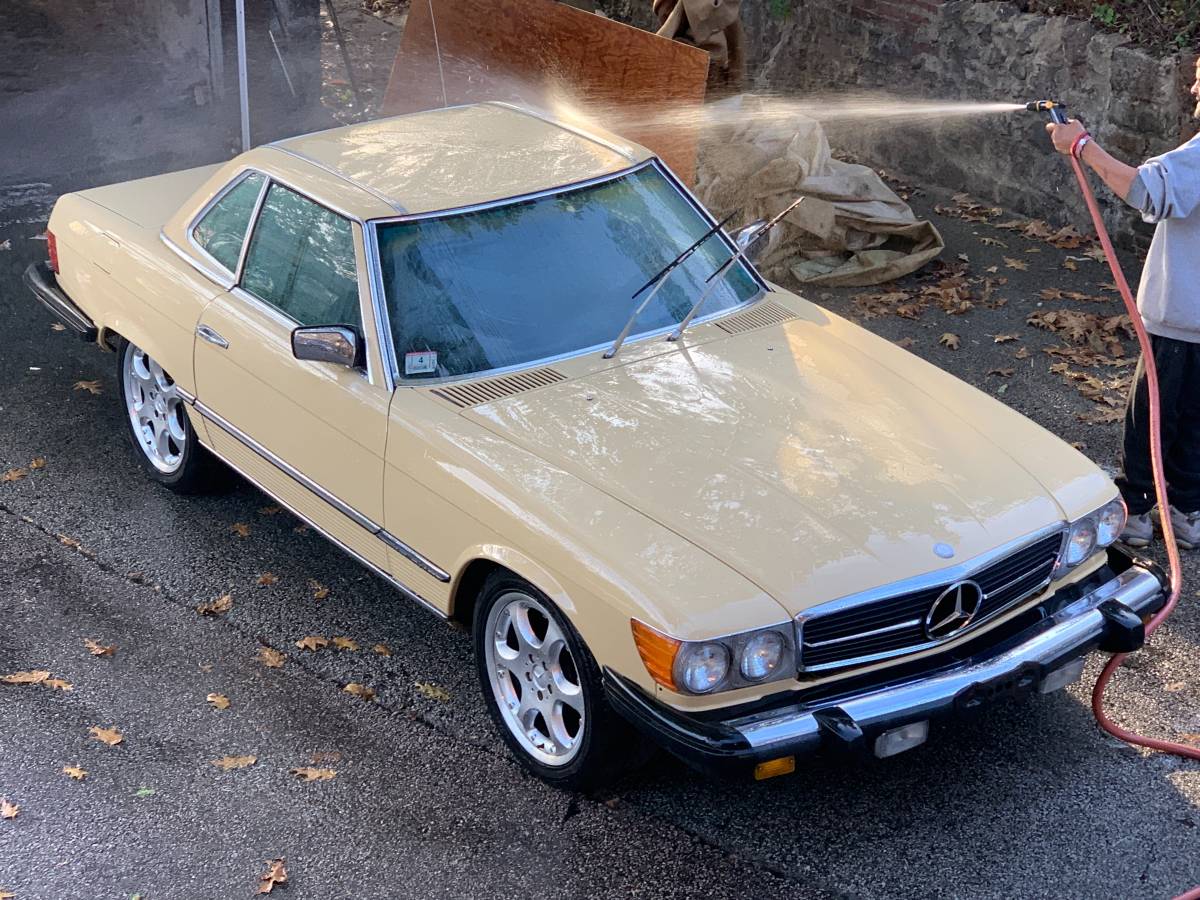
517,370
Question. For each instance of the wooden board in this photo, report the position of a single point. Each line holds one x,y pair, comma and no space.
538,52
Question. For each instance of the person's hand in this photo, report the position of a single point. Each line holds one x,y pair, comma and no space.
1064,136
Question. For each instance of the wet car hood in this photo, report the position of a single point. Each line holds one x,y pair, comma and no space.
810,465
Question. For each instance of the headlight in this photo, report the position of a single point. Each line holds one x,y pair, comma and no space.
1080,542
702,667
762,655
1110,522
747,659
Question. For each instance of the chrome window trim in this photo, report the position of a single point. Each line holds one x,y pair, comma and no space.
377,275
386,576
258,205
927,581
222,281
213,201
383,328
340,176
304,481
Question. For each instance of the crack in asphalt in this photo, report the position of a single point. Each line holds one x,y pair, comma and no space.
408,711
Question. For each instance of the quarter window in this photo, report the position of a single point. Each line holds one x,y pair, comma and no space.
301,261
222,231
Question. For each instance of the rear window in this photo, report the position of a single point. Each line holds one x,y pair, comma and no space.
222,230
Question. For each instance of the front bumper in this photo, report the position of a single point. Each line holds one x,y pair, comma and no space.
1104,612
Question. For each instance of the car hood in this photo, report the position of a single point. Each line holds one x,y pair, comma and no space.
812,466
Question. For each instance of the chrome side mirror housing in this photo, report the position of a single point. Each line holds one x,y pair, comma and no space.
339,344
744,236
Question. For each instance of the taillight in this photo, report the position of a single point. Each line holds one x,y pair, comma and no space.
52,248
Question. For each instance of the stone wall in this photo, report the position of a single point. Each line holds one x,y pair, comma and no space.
966,50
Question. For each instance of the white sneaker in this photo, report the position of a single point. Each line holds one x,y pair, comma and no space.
1139,530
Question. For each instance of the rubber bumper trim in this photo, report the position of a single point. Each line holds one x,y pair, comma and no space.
40,279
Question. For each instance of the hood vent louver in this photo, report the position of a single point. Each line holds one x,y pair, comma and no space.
760,316
474,393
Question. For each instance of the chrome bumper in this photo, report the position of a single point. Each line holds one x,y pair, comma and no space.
39,279
1072,631
892,714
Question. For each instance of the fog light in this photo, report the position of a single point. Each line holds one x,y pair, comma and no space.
900,739
785,765
1060,678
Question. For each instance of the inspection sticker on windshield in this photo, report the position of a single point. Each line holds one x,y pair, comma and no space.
421,363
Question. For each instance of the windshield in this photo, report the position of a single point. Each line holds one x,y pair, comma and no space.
541,278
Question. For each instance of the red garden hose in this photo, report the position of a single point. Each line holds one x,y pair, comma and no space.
1160,491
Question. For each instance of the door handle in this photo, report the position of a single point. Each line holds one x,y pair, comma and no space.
206,333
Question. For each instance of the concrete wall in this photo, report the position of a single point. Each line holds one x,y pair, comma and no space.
1134,103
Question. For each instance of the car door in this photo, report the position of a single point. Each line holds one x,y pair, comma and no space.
310,433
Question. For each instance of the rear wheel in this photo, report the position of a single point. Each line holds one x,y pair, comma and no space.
543,689
159,428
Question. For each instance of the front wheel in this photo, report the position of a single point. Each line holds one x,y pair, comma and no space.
158,425
543,689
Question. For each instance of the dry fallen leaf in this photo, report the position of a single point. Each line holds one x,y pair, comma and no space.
1022,353
222,604
8,810
275,874
992,242
950,341
1175,687
97,649
109,736
308,773
71,542
320,592
39,462
382,649
1018,264
326,756
905,343
92,387
269,510
270,657
1069,263
360,690
1003,373
313,642
267,578
6,895
345,643
229,763
36,677
432,691
75,772
219,701
1004,338
13,475
58,684
241,529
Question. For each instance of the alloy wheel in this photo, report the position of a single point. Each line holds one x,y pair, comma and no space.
155,411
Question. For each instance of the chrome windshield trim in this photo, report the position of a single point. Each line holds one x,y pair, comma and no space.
401,381
379,310
923,582
399,585
289,470
414,557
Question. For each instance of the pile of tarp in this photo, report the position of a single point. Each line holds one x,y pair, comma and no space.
851,229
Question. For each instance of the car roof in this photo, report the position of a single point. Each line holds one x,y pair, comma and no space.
460,156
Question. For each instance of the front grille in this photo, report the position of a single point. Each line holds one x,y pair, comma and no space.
895,625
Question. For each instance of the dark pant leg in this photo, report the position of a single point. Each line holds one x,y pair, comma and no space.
1183,455
1136,478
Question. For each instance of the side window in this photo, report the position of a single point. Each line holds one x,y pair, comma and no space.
301,260
223,228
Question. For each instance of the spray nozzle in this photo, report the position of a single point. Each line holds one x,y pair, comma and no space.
1053,107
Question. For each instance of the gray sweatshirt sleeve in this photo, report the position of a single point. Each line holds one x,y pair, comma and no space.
1168,186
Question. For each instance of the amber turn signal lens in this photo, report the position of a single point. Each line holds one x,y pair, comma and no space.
785,765
657,652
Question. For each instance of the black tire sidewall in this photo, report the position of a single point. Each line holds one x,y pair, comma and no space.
589,764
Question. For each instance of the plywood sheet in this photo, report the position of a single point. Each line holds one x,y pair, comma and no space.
545,54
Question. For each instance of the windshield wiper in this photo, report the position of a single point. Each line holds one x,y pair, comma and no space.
719,275
658,281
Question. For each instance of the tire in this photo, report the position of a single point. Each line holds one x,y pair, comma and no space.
158,427
534,668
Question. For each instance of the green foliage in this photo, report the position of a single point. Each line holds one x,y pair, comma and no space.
781,9
1168,26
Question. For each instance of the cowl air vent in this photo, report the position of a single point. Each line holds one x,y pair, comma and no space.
760,316
474,393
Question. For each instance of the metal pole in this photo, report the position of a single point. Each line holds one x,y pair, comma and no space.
243,84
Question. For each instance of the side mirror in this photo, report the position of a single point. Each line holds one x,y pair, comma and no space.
338,344
744,236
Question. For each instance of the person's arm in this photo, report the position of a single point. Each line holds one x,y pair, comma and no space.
1117,175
